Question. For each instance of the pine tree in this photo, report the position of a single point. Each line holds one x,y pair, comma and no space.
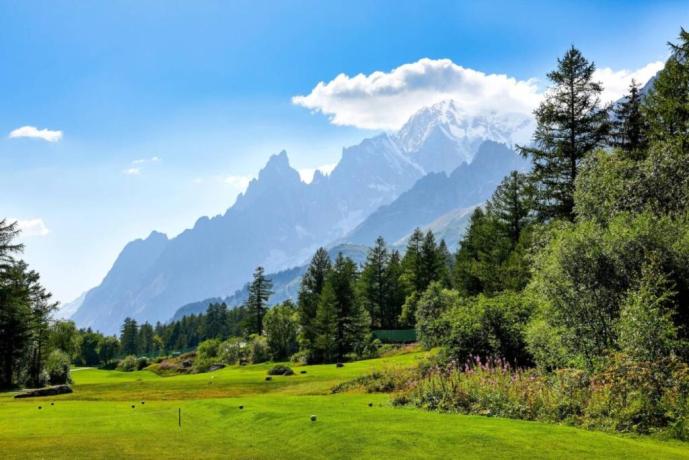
312,284
352,319
447,263
570,123
8,232
129,337
395,292
432,262
629,127
373,283
512,205
260,291
145,339
666,107
325,325
412,264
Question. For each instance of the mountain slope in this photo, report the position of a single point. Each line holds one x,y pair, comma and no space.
437,193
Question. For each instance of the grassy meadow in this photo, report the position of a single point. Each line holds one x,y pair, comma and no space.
98,421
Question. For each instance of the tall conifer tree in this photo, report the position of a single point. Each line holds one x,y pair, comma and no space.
570,124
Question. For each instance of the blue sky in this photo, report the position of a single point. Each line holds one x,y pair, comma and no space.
166,108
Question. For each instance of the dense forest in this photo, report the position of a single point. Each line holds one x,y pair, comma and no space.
571,282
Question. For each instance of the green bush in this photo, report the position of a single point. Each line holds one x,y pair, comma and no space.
207,355
128,364
57,367
258,349
233,351
280,369
142,362
488,327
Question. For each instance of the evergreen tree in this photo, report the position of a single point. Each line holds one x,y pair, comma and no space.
260,291
352,320
482,251
666,107
129,335
281,330
628,131
512,205
312,284
8,232
412,264
432,262
108,347
325,344
215,325
395,292
374,283
570,123
447,263
145,339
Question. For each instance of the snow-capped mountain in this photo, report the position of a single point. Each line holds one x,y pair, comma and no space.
442,136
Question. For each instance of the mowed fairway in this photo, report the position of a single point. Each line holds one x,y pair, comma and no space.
98,421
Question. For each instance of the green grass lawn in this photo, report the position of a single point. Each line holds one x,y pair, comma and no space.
98,421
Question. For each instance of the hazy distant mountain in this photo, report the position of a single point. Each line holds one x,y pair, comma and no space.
66,310
285,283
280,221
449,227
438,193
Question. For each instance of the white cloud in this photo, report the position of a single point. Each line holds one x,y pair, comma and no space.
33,132
616,82
32,227
306,174
140,161
132,172
238,182
385,100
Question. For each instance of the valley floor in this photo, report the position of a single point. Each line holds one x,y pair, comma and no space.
98,421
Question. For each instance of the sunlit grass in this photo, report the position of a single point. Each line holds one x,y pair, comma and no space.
98,421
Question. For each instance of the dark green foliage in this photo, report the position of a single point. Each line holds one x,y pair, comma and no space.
312,284
666,107
57,366
129,337
613,183
260,291
512,205
88,348
280,369
431,326
482,251
379,287
629,128
570,124
25,308
588,272
489,327
281,325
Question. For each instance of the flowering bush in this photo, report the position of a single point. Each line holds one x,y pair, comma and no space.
627,396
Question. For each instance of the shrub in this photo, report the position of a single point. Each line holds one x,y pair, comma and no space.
488,326
142,363
300,357
233,351
280,369
627,396
57,367
206,355
258,349
128,364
